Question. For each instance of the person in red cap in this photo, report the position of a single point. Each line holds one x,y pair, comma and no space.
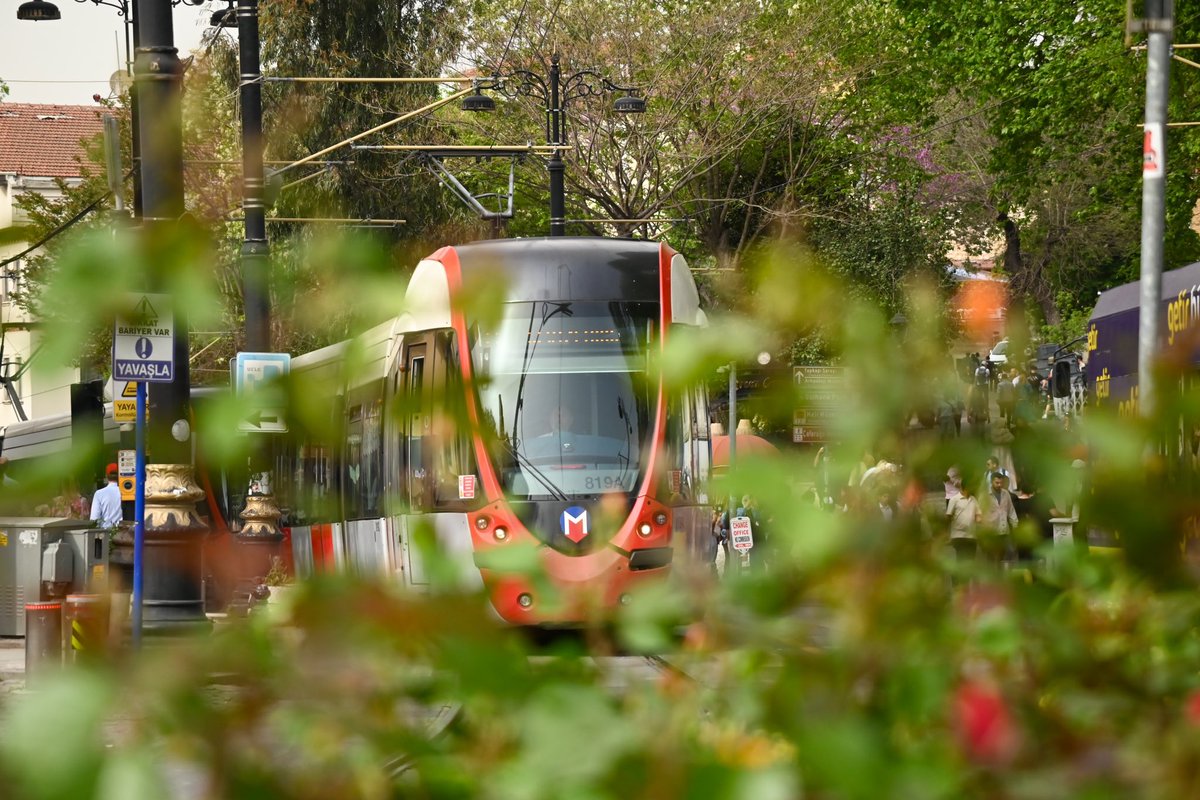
106,504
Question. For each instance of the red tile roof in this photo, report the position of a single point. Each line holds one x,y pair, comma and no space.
40,140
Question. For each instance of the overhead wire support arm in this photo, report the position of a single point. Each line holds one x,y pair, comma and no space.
402,118
468,150
452,183
339,220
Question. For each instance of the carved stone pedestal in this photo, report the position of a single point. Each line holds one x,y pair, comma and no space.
173,589
256,545
261,516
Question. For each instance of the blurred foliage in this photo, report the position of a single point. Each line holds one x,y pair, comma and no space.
862,661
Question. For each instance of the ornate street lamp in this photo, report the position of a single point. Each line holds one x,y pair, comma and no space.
38,11
224,17
554,95
478,102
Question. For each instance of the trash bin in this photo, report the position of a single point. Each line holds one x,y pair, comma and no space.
85,627
43,639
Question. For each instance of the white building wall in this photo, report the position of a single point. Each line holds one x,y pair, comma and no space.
44,389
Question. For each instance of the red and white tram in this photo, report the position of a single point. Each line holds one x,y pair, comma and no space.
549,430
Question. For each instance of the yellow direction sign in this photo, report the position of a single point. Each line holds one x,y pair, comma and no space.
125,402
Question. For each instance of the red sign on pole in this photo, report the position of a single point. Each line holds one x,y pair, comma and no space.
1153,164
740,534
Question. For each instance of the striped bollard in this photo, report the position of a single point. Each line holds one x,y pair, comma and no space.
85,620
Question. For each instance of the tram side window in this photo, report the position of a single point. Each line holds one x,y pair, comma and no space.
415,461
453,456
364,460
312,493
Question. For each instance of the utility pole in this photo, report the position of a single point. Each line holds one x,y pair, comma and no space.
1158,24
173,596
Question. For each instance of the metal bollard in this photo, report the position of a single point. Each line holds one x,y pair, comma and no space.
1064,535
43,639
85,627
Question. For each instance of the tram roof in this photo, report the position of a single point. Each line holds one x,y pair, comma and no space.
567,267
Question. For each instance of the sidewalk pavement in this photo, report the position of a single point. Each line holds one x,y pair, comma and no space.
12,665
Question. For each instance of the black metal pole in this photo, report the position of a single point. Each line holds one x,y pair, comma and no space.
134,135
558,202
173,556
255,250
158,78
260,534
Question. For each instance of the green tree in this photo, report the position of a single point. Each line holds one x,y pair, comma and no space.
1039,105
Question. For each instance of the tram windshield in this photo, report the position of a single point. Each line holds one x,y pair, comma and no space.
563,390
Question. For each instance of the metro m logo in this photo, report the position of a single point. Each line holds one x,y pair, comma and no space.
574,523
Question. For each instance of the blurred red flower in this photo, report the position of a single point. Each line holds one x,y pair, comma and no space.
1192,707
985,727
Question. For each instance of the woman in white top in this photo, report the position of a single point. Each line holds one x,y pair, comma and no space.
964,515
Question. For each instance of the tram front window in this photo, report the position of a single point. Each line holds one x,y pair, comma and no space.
563,390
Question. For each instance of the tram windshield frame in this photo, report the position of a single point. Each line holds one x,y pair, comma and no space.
565,397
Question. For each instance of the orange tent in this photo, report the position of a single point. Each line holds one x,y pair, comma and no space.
747,445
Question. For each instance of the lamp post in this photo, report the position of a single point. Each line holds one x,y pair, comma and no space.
173,595
554,94
260,534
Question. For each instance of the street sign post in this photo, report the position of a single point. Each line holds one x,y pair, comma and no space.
143,352
822,391
142,340
256,376
125,401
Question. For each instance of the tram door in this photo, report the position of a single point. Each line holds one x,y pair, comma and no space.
417,414
414,420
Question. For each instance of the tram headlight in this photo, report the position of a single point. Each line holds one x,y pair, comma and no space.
525,600
660,518
481,523
501,534
644,529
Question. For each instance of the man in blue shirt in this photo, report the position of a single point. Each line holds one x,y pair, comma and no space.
106,503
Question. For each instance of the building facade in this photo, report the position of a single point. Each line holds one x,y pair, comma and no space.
41,150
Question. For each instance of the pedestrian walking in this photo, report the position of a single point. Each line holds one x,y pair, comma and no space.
1000,516
953,484
1006,397
964,515
947,410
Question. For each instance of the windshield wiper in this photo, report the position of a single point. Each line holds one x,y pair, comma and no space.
624,458
523,460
